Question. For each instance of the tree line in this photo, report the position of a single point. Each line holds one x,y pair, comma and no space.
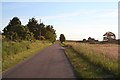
15,31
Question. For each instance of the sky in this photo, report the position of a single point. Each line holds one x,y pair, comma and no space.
76,20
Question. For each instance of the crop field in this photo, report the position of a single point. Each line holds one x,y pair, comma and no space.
108,50
93,60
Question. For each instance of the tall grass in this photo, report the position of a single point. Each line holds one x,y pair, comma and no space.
83,68
97,59
14,52
11,48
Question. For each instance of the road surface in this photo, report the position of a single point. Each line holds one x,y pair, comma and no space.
49,63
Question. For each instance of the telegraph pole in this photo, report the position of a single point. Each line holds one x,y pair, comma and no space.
40,20
40,29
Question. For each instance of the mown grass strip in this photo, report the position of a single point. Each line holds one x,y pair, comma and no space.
83,68
10,59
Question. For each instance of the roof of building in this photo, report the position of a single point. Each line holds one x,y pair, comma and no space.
109,34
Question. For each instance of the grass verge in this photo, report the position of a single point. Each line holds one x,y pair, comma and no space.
89,66
14,52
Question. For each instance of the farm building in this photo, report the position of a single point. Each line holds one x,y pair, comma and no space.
109,36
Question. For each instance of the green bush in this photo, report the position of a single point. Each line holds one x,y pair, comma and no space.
14,52
10,47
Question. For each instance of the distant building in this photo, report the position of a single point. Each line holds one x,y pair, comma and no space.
109,36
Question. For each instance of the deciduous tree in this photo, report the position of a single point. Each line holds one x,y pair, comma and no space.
62,38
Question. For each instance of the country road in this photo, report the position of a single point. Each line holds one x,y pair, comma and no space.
49,63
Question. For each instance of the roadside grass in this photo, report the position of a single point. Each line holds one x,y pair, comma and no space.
89,64
14,52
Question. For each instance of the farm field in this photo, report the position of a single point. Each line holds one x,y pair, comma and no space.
93,60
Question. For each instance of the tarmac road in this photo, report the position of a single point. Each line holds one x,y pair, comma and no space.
49,63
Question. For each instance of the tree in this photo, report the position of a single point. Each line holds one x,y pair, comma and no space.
50,33
84,40
42,29
34,27
62,38
10,31
24,33
15,31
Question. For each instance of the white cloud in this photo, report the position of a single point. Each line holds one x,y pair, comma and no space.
61,16
94,13
108,13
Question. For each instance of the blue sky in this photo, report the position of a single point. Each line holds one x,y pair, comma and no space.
76,20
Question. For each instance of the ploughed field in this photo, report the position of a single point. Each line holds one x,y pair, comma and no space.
93,60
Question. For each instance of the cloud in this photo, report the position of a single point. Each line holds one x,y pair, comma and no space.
108,13
61,16
94,13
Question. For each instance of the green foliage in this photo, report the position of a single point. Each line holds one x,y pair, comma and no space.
34,27
14,52
15,31
42,38
20,38
40,31
62,38
50,33
11,48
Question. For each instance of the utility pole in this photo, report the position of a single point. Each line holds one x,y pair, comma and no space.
40,20
40,29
